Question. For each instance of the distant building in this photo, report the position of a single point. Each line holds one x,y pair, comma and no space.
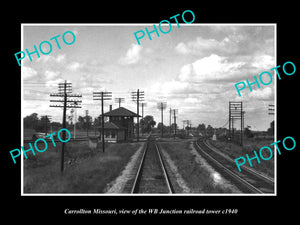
120,126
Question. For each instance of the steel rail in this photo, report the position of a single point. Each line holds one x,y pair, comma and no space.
139,172
254,172
171,190
138,175
230,173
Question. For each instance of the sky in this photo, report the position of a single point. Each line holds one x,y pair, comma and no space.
192,68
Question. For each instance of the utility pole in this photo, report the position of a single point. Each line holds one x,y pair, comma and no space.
75,119
271,109
71,118
229,123
174,116
170,121
102,96
144,104
87,122
236,112
162,106
272,113
138,96
242,123
64,91
119,100
188,126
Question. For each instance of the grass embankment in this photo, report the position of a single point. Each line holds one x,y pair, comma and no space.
235,151
198,178
89,172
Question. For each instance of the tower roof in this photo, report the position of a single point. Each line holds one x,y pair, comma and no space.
121,111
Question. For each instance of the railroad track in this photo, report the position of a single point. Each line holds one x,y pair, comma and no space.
151,175
248,181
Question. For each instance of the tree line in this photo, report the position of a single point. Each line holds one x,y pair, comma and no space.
44,124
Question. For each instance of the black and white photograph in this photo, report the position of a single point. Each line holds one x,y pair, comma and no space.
137,111
169,113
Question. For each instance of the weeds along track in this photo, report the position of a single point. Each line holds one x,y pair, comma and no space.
248,181
151,175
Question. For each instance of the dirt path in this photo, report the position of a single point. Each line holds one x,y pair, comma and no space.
117,186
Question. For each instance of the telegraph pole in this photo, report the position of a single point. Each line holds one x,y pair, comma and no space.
162,106
75,116
138,96
87,122
119,100
188,124
170,121
229,123
271,109
242,123
64,91
174,116
102,96
143,105
102,121
236,112
272,113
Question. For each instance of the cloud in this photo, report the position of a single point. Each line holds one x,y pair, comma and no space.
192,100
207,78
182,48
231,41
169,87
202,46
51,74
132,56
54,83
210,68
51,59
60,58
74,66
264,62
75,31
28,72
225,69
88,82
205,86
264,93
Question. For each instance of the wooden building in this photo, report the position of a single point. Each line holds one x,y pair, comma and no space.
120,125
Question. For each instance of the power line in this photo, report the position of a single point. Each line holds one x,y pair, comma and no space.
227,121
236,112
44,92
137,96
271,109
64,91
102,96
162,106
119,100
175,125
